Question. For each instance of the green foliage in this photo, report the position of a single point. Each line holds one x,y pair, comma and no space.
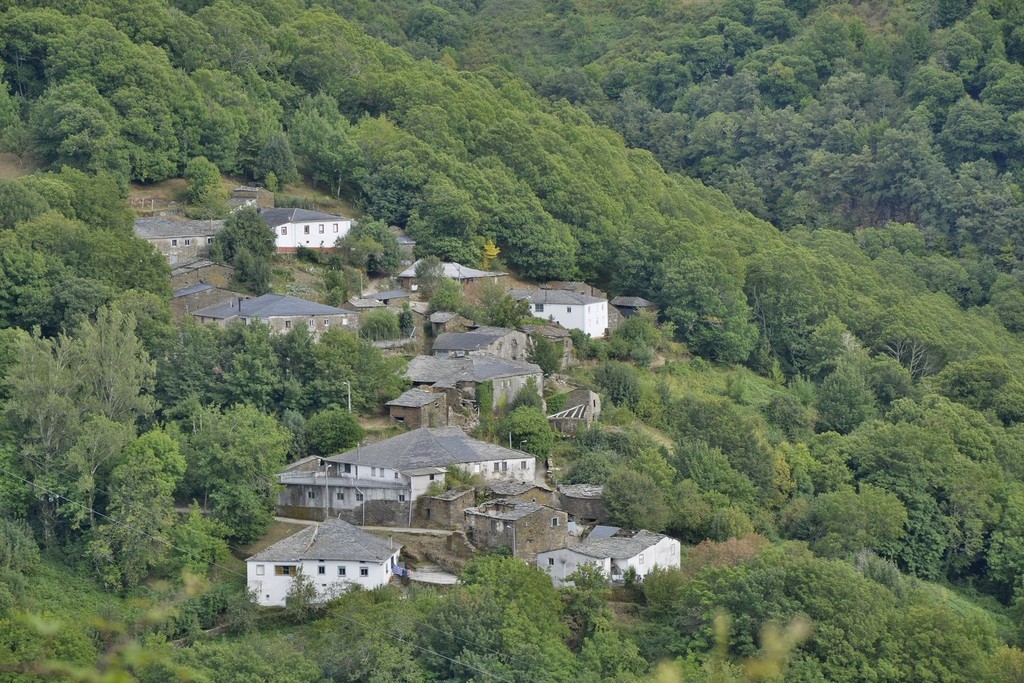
447,295
203,179
634,501
370,246
332,431
379,325
529,429
546,354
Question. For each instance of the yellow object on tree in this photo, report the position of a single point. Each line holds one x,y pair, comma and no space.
490,252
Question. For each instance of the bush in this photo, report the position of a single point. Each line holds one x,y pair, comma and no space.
332,431
381,324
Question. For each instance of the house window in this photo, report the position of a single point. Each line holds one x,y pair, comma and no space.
188,243
312,324
335,227
641,558
494,525
359,497
321,570
568,309
259,570
341,571
373,471
340,495
344,321
174,243
311,494
396,474
284,230
522,464
305,230
327,323
401,497
209,240
504,466
551,562
364,571
348,468
321,228
554,522
285,570
432,477
287,324
497,467
539,308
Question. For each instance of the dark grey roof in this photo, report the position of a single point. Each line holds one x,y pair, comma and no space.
455,271
511,487
425,448
332,540
581,490
163,228
391,294
618,547
192,289
445,372
415,398
601,531
365,303
553,296
503,508
631,302
469,341
184,267
269,306
280,216
442,317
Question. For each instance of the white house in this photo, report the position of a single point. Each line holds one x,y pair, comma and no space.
571,310
294,228
613,555
396,471
335,555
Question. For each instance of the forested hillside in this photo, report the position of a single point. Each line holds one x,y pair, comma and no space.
820,198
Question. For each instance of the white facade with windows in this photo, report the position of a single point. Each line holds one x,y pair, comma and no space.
294,228
641,551
572,311
335,556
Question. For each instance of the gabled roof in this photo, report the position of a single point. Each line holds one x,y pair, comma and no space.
269,306
163,228
512,487
365,303
455,271
618,547
192,289
415,398
332,540
505,509
548,331
631,302
427,448
553,296
591,491
441,317
391,294
280,216
445,372
469,341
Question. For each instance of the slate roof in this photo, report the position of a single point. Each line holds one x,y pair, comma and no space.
365,303
193,289
549,331
503,508
618,547
280,216
332,540
163,228
455,271
631,302
601,531
270,306
581,490
441,317
415,398
427,448
511,487
553,296
469,341
445,372
391,294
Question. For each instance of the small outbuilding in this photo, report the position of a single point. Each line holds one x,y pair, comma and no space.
524,528
418,408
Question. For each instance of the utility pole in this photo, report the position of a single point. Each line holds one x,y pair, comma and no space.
349,386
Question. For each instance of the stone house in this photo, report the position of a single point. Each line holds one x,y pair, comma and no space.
180,241
642,551
460,377
446,321
202,271
556,335
628,306
583,502
200,295
418,408
469,278
446,509
525,528
520,491
499,342
582,408
392,298
281,313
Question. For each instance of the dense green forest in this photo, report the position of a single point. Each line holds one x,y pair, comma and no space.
829,409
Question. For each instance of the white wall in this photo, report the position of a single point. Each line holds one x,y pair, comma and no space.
664,554
566,561
514,469
590,318
271,590
292,235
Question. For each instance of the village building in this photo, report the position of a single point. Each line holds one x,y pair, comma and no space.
557,335
582,409
382,481
202,271
639,551
248,195
524,528
281,313
583,502
418,408
406,245
294,228
334,555
500,342
520,491
364,305
571,310
629,306
447,509
393,298
447,321
468,277
180,241
200,295
460,377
